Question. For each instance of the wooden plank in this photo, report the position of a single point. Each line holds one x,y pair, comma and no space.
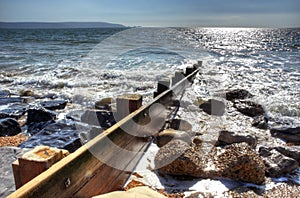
77,170
110,178
77,174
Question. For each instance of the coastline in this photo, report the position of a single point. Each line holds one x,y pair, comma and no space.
207,131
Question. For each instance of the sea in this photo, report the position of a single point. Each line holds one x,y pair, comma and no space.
86,65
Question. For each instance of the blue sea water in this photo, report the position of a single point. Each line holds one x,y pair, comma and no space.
89,64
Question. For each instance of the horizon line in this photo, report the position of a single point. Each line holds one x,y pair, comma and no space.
183,26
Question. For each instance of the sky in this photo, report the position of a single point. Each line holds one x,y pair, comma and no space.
158,13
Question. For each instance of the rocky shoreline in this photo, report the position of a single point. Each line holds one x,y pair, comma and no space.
203,150
28,120
263,160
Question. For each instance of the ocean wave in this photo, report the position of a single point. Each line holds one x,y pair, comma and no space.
108,62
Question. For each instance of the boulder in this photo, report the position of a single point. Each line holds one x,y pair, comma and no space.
72,146
238,94
181,125
167,135
249,108
102,118
260,122
35,127
64,134
4,93
240,162
11,100
288,134
54,104
104,104
228,137
51,96
26,92
140,192
15,111
276,163
213,107
39,115
75,114
265,151
178,158
197,141
86,136
290,151
9,127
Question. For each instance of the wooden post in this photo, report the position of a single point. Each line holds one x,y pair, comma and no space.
189,70
162,85
127,104
34,162
82,174
178,77
197,65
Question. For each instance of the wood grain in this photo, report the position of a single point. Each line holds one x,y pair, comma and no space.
91,169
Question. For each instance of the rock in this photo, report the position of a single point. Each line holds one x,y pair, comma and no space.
290,151
62,134
4,93
181,125
51,96
240,162
9,127
25,92
249,108
265,151
15,111
283,190
11,100
228,137
75,115
102,118
199,101
89,135
178,158
213,107
176,103
276,163
140,192
36,127
197,141
73,145
39,115
54,104
238,94
104,104
288,134
260,122
167,135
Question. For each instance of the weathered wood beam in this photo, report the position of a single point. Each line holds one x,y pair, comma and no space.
104,163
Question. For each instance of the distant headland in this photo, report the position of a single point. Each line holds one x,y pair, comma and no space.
50,25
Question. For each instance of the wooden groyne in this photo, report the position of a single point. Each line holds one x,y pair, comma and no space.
98,167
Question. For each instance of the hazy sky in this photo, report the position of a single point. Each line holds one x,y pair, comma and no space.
254,13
